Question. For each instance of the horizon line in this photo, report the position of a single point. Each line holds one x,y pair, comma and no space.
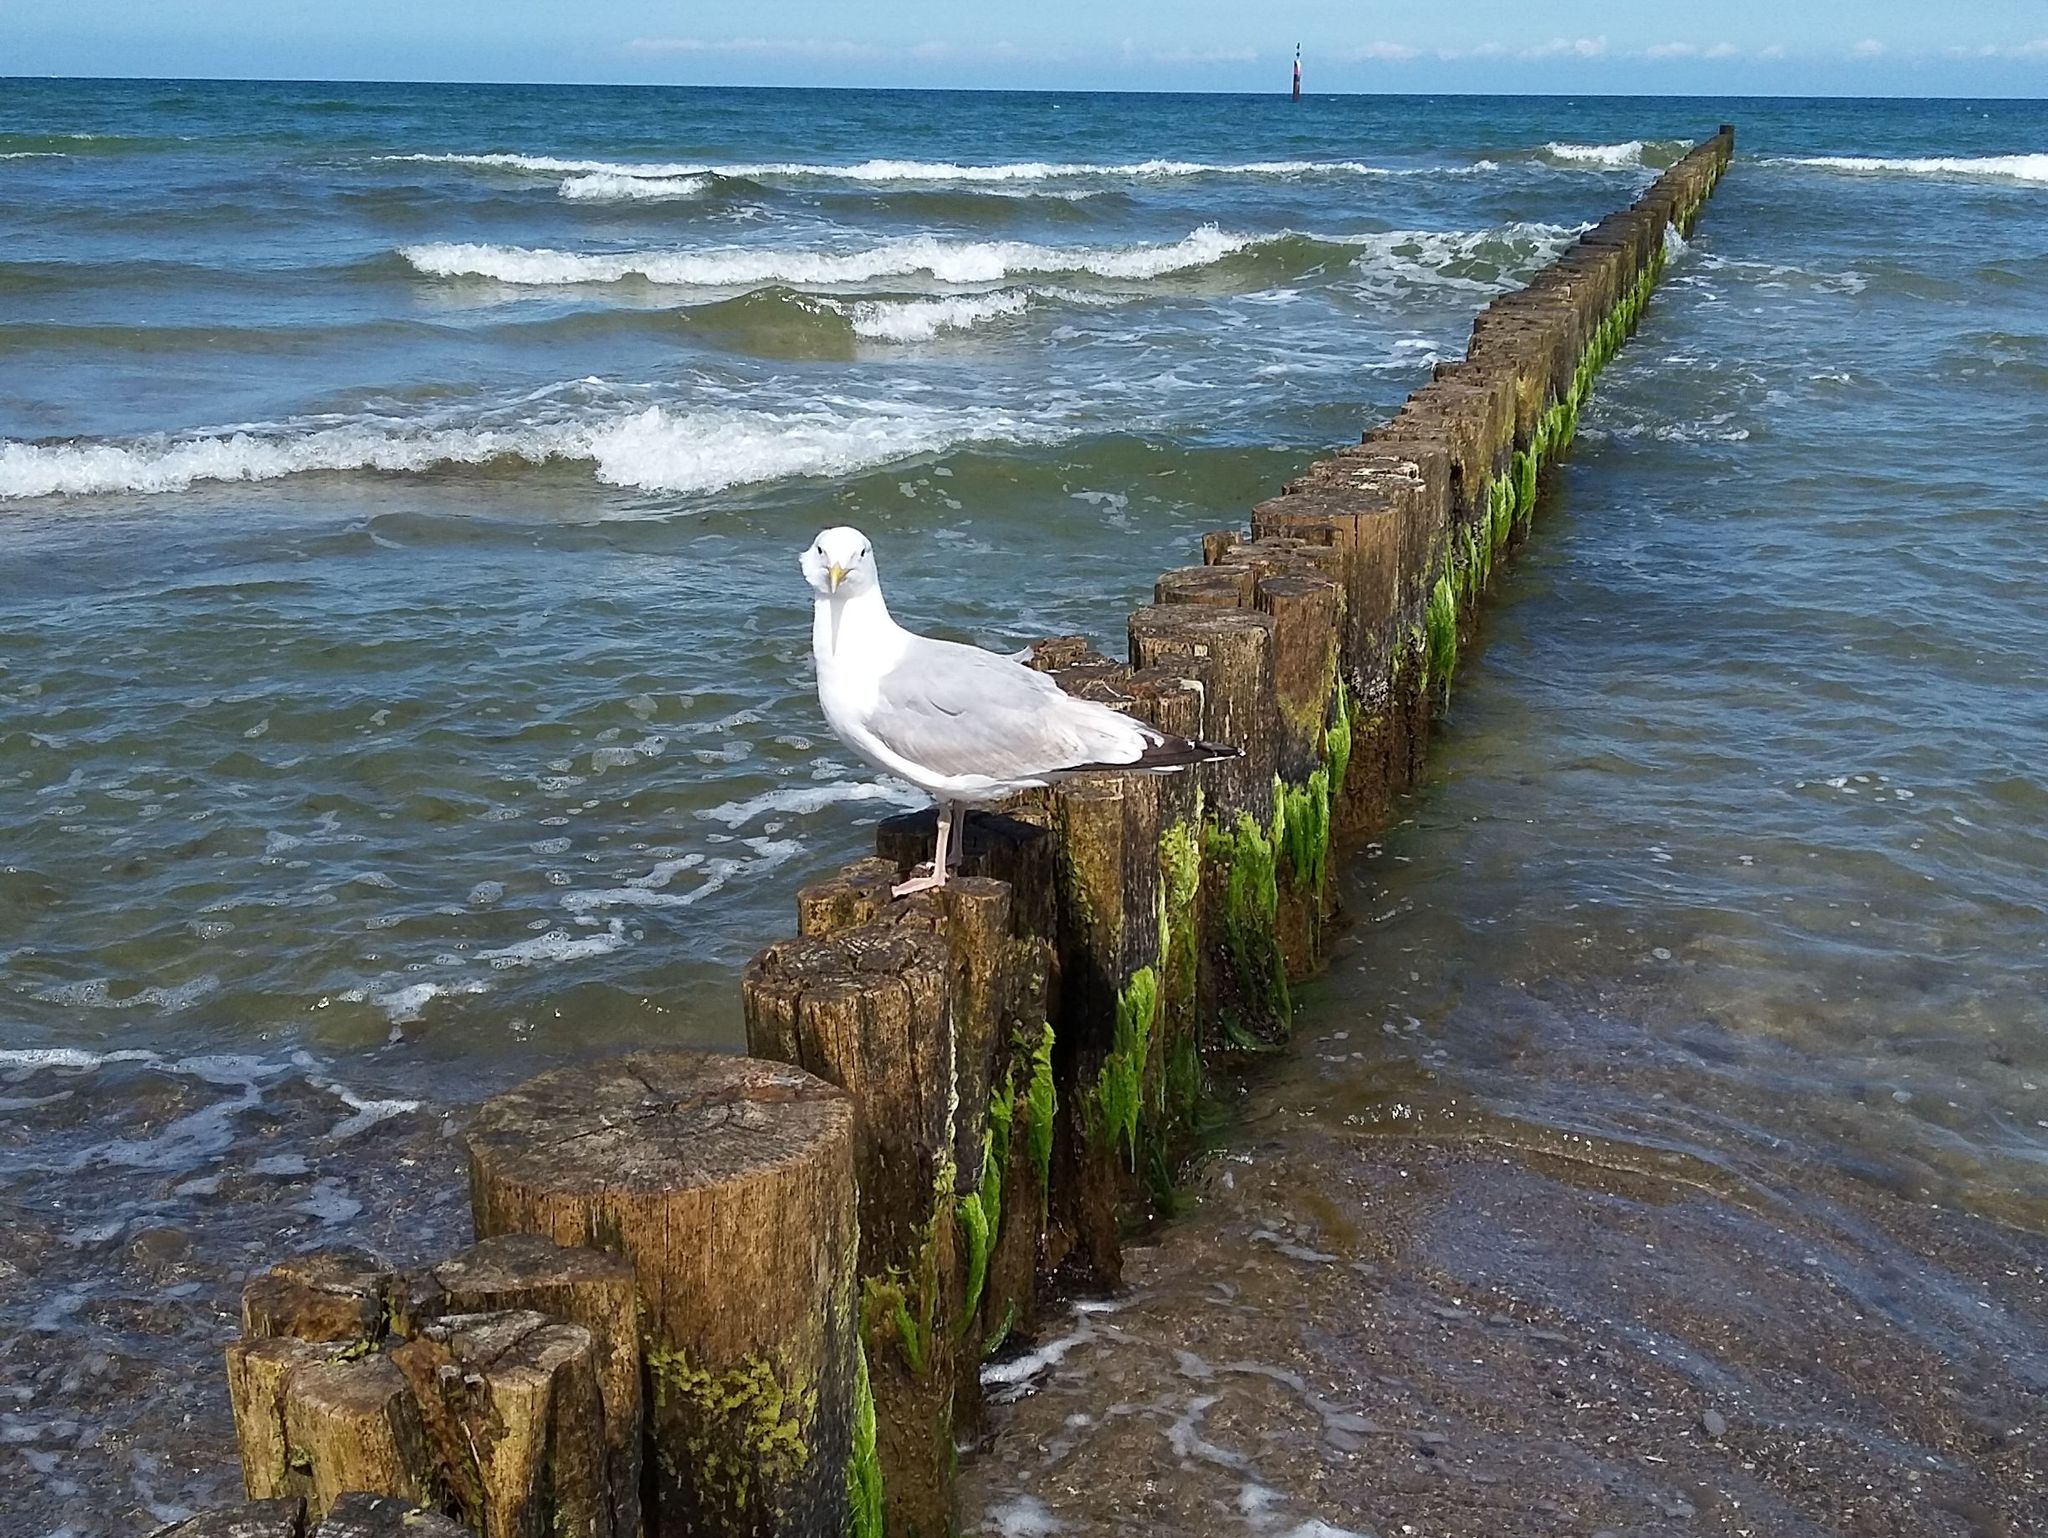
1277,92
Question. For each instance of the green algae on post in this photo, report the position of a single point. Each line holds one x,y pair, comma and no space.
1251,910
1119,1090
1302,822
864,1467
1337,740
750,1428
1041,1099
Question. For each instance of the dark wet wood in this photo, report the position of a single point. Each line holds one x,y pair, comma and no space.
375,1516
331,1294
1230,652
252,1519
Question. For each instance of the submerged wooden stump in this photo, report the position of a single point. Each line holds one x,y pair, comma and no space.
361,1515
727,1182
251,1519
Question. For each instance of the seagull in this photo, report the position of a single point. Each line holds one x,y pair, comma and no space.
964,725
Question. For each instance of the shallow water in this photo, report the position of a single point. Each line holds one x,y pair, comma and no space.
402,671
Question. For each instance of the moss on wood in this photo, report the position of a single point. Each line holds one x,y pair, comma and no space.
1251,906
751,1426
864,1467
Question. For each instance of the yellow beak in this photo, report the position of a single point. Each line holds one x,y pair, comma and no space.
838,575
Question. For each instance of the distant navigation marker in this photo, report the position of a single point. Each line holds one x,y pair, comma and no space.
1297,72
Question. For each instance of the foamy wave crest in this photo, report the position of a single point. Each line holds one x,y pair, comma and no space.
553,165
908,172
919,320
610,187
948,261
656,449
2030,169
1477,261
1627,153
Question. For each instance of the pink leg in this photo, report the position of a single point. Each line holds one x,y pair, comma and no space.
938,867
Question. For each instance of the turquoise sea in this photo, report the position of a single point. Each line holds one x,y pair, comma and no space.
403,663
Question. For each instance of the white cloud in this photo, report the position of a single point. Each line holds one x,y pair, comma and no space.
1567,47
1692,51
758,47
846,50
2037,48
1869,48
1205,56
1397,52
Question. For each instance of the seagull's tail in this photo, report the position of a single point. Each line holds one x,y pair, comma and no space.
1164,754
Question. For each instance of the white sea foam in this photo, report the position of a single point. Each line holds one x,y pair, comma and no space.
911,172
404,1005
919,320
1612,156
1432,258
949,261
656,448
557,945
800,800
650,891
611,187
208,1131
2029,169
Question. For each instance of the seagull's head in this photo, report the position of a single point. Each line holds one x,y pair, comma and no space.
839,562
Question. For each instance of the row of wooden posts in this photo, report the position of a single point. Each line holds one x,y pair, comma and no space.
723,1296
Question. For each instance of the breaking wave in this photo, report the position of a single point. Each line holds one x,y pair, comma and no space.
657,448
919,320
2029,169
904,172
948,261
611,187
1629,154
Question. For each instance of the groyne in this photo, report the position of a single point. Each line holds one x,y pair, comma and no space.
753,1295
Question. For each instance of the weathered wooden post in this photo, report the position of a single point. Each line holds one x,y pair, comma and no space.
515,1421
529,1274
727,1183
871,1009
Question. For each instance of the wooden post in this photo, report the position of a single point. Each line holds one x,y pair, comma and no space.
259,1374
1230,651
512,1410
1222,586
575,1286
870,1009
324,1295
353,1425
728,1184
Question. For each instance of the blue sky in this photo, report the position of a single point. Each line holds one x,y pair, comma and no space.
1765,47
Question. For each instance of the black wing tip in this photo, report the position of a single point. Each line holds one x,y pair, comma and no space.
1172,753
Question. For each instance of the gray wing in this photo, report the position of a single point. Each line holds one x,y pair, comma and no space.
959,710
